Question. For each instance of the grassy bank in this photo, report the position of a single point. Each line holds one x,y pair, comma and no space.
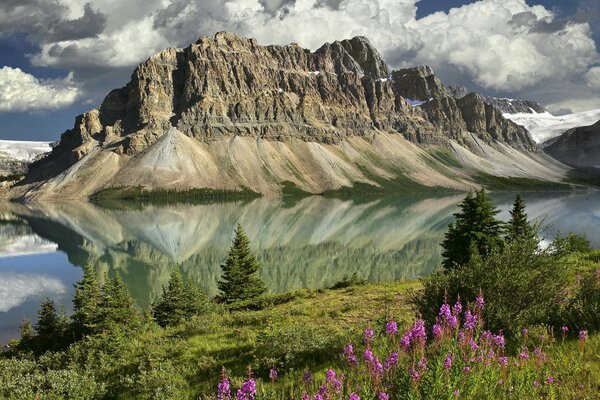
139,194
295,332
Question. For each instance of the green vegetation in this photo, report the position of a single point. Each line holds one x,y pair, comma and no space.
240,280
161,196
521,184
584,176
515,321
475,230
181,299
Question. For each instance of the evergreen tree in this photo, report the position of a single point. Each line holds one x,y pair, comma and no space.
26,330
240,280
49,324
475,231
518,227
116,307
180,299
86,303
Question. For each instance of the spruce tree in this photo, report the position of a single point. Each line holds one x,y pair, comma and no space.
518,228
49,325
240,280
86,302
116,308
26,330
180,299
475,230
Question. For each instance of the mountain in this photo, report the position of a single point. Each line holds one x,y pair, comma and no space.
578,147
506,106
228,113
15,156
545,127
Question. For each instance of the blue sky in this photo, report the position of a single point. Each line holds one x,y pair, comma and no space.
59,58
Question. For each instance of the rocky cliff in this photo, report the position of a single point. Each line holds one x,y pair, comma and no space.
578,147
231,113
504,105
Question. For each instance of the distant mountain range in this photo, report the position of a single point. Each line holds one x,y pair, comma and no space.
229,113
15,156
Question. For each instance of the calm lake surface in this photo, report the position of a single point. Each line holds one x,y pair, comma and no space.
310,242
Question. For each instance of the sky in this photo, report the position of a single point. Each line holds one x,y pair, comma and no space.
60,58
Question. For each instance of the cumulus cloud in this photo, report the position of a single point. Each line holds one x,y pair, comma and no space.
593,78
16,288
20,91
506,45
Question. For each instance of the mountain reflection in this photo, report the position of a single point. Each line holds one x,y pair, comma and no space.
313,242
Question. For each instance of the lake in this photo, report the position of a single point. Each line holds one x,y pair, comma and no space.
311,242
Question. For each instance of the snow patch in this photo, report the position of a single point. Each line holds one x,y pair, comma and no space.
545,126
314,72
24,151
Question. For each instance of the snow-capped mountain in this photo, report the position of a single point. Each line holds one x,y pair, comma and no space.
15,155
544,127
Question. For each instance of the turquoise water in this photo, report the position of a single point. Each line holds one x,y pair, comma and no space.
310,242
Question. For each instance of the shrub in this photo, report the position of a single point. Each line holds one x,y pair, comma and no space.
523,286
582,310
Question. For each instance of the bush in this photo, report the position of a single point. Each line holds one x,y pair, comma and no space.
571,243
582,310
522,285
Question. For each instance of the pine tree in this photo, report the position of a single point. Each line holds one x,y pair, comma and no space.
49,325
240,280
86,302
475,230
518,227
116,308
180,299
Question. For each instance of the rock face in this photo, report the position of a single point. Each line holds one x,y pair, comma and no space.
578,147
283,105
504,105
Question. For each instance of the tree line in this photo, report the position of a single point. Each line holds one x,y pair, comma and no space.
98,308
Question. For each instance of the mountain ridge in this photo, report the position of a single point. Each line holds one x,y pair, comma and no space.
260,116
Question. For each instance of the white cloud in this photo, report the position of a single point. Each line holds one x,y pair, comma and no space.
16,288
505,45
20,91
593,78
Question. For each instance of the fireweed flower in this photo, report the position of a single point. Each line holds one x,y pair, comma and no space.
456,393
524,354
391,361
499,340
448,361
349,354
247,391
391,327
330,376
479,302
503,360
305,396
564,330
318,396
457,308
224,389
539,354
471,320
583,336
524,332
550,380
273,374
466,369
536,384
437,331
353,396
307,377
383,396
368,336
368,356
445,311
